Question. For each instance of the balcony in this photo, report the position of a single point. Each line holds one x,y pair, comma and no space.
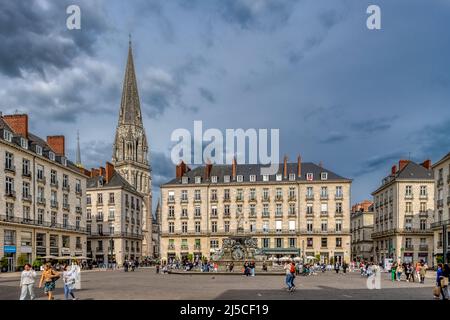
78,191
54,204
338,214
278,214
423,247
111,218
440,203
279,198
26,175
197,247
265,199
214,199
309,213
292,214
10,169
184,201
197,200
252,199
266,215
197,216
78,209
292,198
324,197
184,247
66,187
338,196
99,249
89,218
409,196
41,180
226,199
239,199
111,202
252,214
226,215
309,197
423,196
27,198
169,200
10,194
127,219
213,215
99,218
171,247
54,184
66,207
324,213
423,214
409,247
41,201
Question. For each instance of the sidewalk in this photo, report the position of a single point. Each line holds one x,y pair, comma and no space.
12,275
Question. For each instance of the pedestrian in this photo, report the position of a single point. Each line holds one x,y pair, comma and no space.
423,272
252,268
49,278
399,272
246,269
69,276
336,267
417,271
344,267
393,271
231,266
125,266
27,279
77,274
157,268
288,278
264,266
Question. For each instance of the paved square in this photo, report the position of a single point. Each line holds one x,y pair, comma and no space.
145,284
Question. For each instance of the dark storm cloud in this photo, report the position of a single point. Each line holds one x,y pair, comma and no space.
207,95
94,153
434,140
333,137
162,168
374,125
379,162
34,36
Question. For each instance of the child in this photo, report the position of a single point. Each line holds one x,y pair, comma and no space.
27,282
69,275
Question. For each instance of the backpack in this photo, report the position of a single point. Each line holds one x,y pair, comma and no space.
292,268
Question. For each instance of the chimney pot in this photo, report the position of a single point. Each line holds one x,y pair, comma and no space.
299,166
394,169
57,144
402,163
109,171
426,164
18,123
285,174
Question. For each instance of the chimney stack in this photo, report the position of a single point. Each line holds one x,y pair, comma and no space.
208,169
103,172
394,169
285,174
234,168
321,164
181,169
299,166
18,123
402,164
57,144
426,164
109,171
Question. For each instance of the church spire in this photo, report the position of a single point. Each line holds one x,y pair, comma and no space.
130,109
78,162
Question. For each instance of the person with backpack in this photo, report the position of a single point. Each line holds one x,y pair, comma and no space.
292,278
49,277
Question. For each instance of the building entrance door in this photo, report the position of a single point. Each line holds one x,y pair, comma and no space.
11,264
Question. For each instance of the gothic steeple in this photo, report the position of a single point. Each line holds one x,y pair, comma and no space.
130,109
78,161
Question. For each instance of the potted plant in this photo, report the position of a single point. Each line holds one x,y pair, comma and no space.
3,264
37,264
21,261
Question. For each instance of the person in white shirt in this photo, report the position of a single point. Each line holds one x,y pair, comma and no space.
77,275
27,279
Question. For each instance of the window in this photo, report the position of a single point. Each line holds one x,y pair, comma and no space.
227,209
423,224
324,176
408,224
338,226
266,194
240,178
323,207
309,242
279,242
252,178
184,212
339,192
53,177
423,190
279,193
214,195
171,212
214,179
39,150
9,237
184,227
292,243
40,172
309,192
214,211
423,207
266,226
278,225
309,208
111,213
292,177
265,177
26,194
185,180
99,198
51,156
78,186
197,195
252,226
338,207
7,135
309,225
9,186
26,167
171,227
111,198
324,226
26,213
240,195
40,216
214,243
309,176
226,195
279,210
214,226
265,210
227,226
198,179
252,194
65,200
197,212
184,195
24,143
226,179
408,191
279,177
197,226
292,225
408,207
265,242
338,242
9,161
324,242
25,239
323,192
252,210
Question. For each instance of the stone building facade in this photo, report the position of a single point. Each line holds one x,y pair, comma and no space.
114,217
361,224
403,211
303,210
42,196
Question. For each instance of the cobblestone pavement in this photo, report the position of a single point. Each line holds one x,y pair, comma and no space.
145,284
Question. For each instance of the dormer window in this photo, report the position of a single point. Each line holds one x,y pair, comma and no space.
291,176
266,177
24,143
39,150
226,179
309,176
51,156
252,178
198,179
240,178
7,135
324,176
64,161
184,180
214,179
279,177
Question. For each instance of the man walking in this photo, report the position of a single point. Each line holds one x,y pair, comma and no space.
27,279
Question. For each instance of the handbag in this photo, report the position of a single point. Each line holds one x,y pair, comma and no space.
444,282
436,291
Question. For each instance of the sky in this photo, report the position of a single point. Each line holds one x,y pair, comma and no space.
355,99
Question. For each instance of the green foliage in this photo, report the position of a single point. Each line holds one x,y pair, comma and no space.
190,257
3,262
22,260
37,263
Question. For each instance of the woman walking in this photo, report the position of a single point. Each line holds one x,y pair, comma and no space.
288,279
69,276
49,277
27,282
399,272
77,275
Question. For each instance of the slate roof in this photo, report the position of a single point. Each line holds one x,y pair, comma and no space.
116,181
255,169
